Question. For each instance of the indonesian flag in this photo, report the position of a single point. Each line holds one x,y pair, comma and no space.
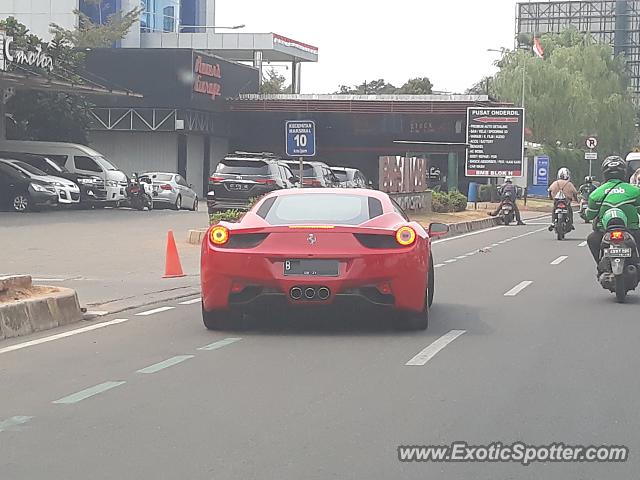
537,48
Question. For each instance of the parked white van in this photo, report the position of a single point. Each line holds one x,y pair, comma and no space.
77,159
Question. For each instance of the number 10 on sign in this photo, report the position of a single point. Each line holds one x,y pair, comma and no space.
300,138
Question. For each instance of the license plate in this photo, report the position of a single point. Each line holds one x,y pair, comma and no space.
312,268
618,252
156,188
559,210
238,186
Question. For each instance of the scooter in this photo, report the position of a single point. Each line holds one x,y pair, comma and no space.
584,203
138,195
507,212
619,259
562,221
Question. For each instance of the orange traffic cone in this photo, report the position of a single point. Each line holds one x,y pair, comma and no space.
173,268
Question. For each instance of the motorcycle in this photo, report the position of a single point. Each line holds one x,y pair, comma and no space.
507,212
562,221
619,260
138,195
584,204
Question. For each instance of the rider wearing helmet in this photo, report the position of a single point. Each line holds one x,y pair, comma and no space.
508,192
563,187
617,194
587,187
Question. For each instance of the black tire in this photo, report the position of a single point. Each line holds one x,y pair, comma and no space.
621,289
149,201
21,203
178,205
221,320
508,219
195,205
560,228
415,320
431,283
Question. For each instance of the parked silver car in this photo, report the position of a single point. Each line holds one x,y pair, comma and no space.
350,177
171,189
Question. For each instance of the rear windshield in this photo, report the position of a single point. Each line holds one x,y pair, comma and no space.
307,170
29,168
243,167
330,209
342,175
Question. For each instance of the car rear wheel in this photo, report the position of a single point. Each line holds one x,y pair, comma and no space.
221,319
178,204
21,203
415,320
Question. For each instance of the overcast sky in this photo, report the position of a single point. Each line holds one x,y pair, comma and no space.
445,40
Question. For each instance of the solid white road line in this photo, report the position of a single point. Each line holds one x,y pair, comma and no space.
451,260
461,257
583,244
220,344
165,364
9,423
39,280
88,392
559,260
440,265
472,253
61,335
468,234
428,353
155,310
518,288
191,302
99,313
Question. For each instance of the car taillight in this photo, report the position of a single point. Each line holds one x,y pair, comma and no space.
219,235
406,236
216,179
166,186
617,236
134,189
265,181
562,205
312,182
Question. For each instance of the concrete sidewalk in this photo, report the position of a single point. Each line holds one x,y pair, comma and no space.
113,258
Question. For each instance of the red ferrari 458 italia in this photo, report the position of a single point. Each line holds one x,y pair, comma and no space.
318,248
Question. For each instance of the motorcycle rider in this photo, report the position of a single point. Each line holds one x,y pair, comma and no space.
587,187
563,185
614,193
508,192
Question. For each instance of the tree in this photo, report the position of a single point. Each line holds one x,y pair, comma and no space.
374,87
482,87
43,115
274,83
578,89
98,35
416,86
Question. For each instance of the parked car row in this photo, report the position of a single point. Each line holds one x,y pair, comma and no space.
243,176
39,174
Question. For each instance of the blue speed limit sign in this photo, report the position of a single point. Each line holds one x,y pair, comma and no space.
300,138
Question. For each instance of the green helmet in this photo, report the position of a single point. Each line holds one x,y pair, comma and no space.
614,217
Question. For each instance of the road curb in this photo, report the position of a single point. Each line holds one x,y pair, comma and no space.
461,228
32,315
194,237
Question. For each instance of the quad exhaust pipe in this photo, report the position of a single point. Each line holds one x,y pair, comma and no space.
309,293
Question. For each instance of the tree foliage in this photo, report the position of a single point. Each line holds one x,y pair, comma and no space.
98,35
273,82
38,115
414,86
578,89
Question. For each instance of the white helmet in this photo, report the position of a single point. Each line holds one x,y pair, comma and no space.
564,174
508,179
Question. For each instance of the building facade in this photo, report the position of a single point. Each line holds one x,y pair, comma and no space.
614,22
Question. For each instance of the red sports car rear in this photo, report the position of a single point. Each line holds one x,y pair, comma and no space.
318,248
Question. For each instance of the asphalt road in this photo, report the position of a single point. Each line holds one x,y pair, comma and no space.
159,397
113,258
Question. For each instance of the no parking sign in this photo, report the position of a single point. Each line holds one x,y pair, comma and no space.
541,167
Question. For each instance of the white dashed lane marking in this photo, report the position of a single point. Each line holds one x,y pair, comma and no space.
192,301
13,422
220,343
429,352
583,244
518,288
170,362
559,260
88,392
155,310
440,265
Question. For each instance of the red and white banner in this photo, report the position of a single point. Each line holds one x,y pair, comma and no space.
537,48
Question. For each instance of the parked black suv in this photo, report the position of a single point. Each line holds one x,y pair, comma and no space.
241,176
92,188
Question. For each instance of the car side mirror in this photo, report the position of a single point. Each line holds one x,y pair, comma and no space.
438,229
